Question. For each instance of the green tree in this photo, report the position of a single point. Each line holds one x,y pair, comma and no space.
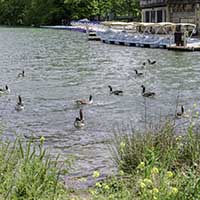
38,12
12,12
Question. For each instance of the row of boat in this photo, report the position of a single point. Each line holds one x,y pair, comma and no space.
124,38
153,35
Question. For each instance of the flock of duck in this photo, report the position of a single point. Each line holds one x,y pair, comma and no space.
79,121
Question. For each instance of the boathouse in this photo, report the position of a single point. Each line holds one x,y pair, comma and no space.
176,11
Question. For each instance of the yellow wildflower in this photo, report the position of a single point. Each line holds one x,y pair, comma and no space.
96,174
154,171
148,182
111,196
169,174
122,145
178,138
194,105
173,191
142,185
98,184
42,139
141,165
106,187
155,191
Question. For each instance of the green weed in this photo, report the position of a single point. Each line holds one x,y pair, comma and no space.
159,164
28,172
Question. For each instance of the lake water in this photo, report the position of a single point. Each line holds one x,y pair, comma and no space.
61,67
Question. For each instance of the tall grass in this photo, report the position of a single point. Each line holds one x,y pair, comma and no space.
163,145
28,172
159,164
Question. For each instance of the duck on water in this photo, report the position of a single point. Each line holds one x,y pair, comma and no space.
19,106
115,92
21,74
147,94
180,114
151,62
138,73
5,90
79,121
84,101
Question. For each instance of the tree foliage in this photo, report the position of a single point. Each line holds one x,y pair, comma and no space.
51,12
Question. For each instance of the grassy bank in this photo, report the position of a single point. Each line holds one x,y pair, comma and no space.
27,172
159,164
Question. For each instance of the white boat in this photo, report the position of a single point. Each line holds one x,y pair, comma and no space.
152,35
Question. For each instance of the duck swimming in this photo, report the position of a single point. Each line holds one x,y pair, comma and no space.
115,92
19,106
84,101
151,62
79,122
5,90
180,114
21,74
138,73
147,94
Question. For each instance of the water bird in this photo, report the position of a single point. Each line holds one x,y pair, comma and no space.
19,106
147,94
180,114
151,62
84,101
115,92
79,122
138,73
5,90
21,74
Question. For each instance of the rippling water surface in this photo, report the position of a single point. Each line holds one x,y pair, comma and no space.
62,66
